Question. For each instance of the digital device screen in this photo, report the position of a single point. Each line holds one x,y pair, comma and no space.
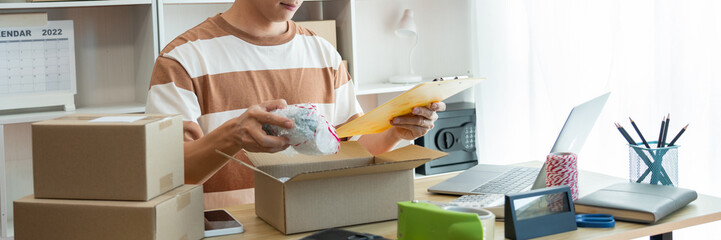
543,205
219,219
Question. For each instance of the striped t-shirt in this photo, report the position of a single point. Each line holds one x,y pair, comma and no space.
215,71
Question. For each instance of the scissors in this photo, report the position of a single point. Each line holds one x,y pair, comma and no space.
595,220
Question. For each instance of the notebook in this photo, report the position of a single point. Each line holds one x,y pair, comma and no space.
636,202
498,180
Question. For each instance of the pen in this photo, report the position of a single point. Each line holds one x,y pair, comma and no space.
660,133
677,136
639,133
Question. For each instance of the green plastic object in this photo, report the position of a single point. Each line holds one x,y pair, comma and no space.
425,221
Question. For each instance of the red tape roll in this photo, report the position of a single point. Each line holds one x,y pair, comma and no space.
561,169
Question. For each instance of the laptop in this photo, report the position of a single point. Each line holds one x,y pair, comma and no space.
503,179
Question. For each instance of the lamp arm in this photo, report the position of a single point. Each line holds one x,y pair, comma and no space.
410,55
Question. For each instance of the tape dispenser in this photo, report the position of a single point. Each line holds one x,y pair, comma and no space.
426,221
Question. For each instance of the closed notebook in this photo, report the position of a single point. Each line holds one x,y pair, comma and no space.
636,202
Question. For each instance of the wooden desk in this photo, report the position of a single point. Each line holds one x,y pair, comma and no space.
705,209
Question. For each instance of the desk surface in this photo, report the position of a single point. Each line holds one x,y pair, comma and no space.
705,209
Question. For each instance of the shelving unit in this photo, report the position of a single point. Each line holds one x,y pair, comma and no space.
116,42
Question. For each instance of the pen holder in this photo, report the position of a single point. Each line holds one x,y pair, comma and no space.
653,166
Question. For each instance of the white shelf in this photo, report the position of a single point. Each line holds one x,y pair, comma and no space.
40,116
375,88
30,5
196,1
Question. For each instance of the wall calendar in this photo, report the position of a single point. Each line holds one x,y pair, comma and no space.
37,66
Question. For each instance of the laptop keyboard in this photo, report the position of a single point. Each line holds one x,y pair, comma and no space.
513,181
479,201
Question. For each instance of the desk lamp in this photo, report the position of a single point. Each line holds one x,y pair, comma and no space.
407,28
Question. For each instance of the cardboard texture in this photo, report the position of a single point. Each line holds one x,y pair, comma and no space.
351,187
74,158
30,19
176,215
323,28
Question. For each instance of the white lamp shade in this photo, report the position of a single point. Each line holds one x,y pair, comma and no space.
407,26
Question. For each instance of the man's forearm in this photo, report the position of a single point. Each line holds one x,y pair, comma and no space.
378,143
201,160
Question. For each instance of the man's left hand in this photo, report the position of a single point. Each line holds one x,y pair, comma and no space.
418,122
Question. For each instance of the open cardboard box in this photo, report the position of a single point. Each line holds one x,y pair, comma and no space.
351,187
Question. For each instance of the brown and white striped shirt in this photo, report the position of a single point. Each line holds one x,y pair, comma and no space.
214,72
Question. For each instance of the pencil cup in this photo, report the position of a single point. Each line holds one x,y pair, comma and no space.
653,166
562,169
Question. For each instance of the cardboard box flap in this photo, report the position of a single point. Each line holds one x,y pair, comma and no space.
84,119
409,152
290,170
350,150
245,164
352,171
281,165
352,160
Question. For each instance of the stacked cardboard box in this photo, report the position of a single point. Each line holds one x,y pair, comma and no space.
109,177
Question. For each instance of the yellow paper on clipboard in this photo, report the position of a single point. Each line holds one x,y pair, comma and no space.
378,119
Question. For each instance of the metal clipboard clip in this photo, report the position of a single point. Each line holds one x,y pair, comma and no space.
449,78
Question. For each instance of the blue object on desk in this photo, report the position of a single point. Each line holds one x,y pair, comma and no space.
595,220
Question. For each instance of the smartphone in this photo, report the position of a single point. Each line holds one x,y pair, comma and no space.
220,222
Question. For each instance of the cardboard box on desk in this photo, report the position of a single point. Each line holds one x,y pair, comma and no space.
102,157
322,28
351,187
177,214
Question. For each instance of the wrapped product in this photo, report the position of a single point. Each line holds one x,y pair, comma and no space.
311,134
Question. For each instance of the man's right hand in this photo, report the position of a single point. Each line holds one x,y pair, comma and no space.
246,131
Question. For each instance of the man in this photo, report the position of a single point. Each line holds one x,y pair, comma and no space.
226,74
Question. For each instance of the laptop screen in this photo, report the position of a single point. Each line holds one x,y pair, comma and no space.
579,125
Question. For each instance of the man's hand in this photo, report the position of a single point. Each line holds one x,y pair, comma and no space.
246,131
418,122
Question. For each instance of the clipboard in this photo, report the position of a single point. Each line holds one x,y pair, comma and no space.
378,119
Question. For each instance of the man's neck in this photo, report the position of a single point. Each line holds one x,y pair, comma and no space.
249,20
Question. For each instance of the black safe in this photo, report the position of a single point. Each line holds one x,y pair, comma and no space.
455,133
